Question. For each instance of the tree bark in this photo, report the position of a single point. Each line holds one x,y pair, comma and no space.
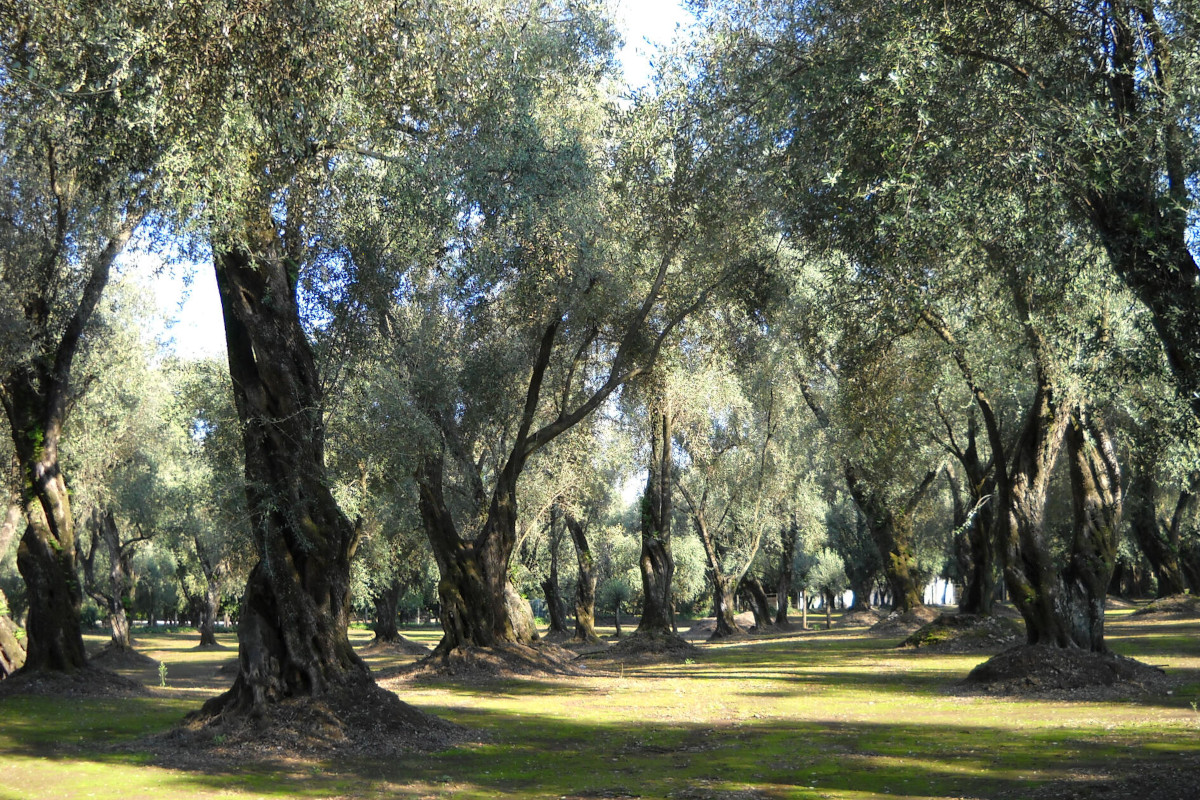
1159,542
211,601
554,602
12,652
752,591
585,583
974,522
479,607
115,595
386,601
655,562
788,535
1096,503
292,632
893,534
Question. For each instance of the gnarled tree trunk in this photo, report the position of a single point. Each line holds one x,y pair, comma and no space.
655,562
292,632
115,595
1096,503
1159,542
788,536
585,583
386,602
893,535
974,523
752,591
479,606
554,602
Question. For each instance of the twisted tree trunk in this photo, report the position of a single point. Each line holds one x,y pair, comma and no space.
117,596
655,561
892,531
585,583
386,602
1096,503
292,632
554,602
1159,542
788,536
752,591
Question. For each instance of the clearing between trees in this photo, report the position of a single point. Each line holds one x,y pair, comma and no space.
838,713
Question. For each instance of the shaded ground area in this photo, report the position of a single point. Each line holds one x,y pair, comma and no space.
810,715
360,721
92,681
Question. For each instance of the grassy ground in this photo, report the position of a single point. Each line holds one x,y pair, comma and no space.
822,714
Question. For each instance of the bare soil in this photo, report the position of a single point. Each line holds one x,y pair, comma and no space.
902,624
703,629
399,647
857,619
965,633
91,681
361,720
114,658
644,648
1065,674
1179,605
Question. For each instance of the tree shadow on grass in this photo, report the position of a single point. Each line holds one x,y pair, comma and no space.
539,755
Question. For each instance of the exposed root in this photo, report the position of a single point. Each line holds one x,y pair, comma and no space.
91,681
965,633
1065,673
359,718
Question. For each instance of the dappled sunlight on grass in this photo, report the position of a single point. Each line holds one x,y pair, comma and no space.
817,714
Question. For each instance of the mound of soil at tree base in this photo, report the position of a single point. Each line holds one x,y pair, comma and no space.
851,619
646,648
1065,673
485,664
902,624
111,657
361,719
91,681
703,629
400,646
965,633
1178,605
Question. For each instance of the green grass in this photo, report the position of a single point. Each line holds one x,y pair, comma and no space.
823,714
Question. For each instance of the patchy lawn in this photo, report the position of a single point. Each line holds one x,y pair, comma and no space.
817,714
